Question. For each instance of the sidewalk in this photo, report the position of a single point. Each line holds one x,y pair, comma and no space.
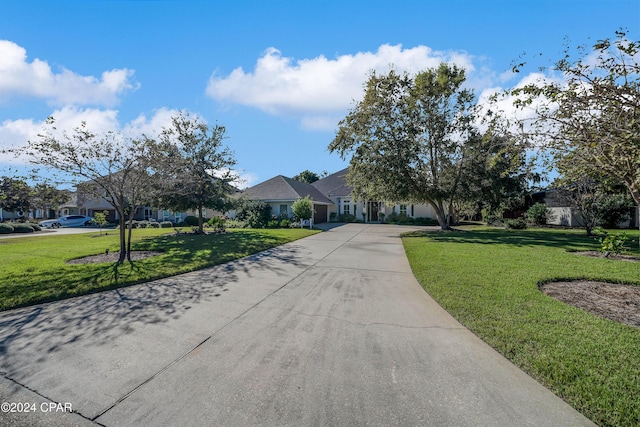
328,330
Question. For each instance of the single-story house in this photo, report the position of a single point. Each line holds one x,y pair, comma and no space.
335,187
331,197
280,192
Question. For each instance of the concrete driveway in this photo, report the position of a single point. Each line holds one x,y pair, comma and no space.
328,330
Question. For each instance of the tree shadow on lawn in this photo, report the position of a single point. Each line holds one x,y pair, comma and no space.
563,239
31,333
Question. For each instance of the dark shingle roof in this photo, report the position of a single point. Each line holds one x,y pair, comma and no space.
334,184
282,188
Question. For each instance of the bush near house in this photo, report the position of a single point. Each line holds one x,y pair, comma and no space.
166,224
538,214
192,221
6,229
21,228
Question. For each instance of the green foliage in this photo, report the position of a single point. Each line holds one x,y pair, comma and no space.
346,218
166,224
302,208
19,227
5,228
35,226
516,224
153,224
193,155
191,221
273,224
591,362
538,214
254,213
307,176
589,119
612,243
16,194
413,139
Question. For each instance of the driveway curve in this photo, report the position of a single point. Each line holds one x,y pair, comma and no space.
332,329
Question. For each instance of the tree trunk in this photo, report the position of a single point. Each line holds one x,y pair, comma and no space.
200,221
123,240
441,215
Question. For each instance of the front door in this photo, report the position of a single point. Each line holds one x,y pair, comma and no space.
372,208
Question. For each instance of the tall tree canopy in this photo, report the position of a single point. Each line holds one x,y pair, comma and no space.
407,138
307,176
15,194
591,119
193,167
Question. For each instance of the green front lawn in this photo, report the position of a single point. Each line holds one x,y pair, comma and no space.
34,269
488,279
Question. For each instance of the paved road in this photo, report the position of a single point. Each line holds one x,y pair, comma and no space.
328,330
57,232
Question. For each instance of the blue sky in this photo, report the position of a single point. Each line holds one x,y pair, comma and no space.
278,74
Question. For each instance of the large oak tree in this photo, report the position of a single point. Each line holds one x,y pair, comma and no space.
407,136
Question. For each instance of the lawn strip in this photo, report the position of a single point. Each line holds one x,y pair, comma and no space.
488,279
35,269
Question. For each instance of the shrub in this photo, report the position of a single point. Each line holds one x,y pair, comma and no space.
153,224
516,224
538,214
5,229
273,224
255,214
302,208
347,218
36,227
294,224
426,221
285,223
612,243
332,216
166,224
22,228
192,221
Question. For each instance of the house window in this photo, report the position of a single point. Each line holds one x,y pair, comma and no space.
178,216
403,210
166,215
346,209
284,210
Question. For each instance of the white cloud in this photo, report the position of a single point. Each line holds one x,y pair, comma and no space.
18,77
318,88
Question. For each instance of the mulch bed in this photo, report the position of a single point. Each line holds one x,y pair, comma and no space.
617,302
596,254
113,257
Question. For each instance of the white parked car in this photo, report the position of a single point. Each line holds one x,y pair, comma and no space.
67,221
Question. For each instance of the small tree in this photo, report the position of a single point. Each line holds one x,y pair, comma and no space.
303,209
538,214
100,218
108,166
195,167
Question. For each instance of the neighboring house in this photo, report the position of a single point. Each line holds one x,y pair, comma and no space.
564,215
331,197
10,215
280,192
